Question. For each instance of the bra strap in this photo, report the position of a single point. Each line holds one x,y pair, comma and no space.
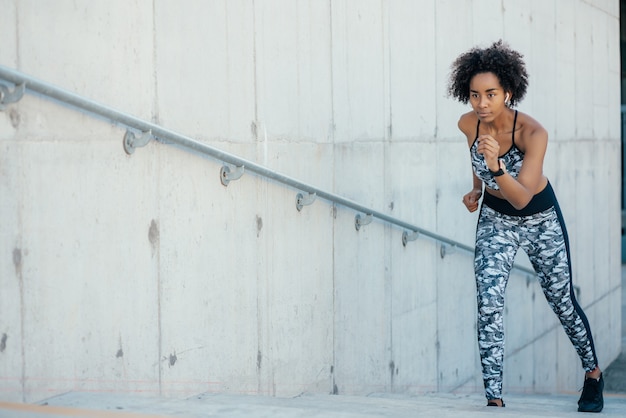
514,123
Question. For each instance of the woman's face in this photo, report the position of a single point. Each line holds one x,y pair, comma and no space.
487,96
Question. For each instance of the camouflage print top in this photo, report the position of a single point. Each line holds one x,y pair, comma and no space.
513,159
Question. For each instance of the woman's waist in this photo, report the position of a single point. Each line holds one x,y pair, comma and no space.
541,201
497,193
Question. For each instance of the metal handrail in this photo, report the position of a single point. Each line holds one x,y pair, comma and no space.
23,81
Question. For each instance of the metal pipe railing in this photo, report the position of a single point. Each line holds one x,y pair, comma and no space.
24,82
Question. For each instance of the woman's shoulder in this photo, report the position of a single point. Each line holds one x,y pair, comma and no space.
529,127
468,119
529,132
467,124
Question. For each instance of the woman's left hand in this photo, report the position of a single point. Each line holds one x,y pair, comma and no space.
490,149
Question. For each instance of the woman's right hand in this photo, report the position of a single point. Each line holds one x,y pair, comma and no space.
470,200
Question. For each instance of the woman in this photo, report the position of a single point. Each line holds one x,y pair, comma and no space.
519,209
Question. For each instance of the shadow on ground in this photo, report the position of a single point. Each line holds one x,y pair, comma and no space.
615,375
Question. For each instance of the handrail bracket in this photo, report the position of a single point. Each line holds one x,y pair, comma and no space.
409,236
7,96
447,249
131,141
226,175
360,221
302,200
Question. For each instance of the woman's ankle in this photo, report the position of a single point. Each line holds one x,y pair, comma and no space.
594,374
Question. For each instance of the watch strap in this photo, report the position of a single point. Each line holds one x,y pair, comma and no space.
500,171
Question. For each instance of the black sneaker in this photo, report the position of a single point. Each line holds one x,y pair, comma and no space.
591,399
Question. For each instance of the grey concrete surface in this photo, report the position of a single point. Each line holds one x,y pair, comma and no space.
132,272
239,406
615,373
105,405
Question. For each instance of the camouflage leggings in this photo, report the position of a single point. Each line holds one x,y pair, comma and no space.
544,238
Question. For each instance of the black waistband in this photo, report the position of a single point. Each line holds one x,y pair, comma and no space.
543,200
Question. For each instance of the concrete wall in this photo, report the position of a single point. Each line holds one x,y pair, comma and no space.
143,273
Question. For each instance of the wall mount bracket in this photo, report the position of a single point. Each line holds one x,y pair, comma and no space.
226,175
409,236
7,96
447,249
302,200
360,221
131,141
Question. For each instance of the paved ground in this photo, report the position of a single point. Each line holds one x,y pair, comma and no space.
108,405
240,406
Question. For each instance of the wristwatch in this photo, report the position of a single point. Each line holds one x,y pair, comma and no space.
501,168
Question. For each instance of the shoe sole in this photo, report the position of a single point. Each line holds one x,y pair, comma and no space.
599,409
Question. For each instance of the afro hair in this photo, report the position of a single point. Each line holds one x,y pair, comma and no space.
498,59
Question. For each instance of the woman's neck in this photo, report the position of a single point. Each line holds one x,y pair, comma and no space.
501,124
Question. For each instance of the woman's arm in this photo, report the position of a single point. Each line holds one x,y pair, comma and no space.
471,199
518,192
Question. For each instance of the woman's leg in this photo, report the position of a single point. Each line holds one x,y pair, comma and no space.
496,246
546,243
